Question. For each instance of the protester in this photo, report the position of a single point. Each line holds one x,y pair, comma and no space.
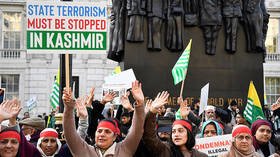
195,106
210,112
9,110
51,119
125,123
9,143
106,132
210,128
26,115
240,120
262,132
31,128
48,143
94,109
241,145
182,139
232,111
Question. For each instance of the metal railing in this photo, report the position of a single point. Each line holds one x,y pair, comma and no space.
272,57
12,54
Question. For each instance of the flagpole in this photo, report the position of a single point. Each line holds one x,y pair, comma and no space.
182,85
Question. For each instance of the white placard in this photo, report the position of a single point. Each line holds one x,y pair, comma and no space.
214,146
203,98
124,78
119,89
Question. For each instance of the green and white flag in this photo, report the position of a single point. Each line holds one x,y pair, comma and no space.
253,109
179,71
55,92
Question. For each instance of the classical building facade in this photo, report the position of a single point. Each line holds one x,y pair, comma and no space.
32,75
28,76
272,61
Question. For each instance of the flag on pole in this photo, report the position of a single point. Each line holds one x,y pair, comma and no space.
253,109
179,70
55,92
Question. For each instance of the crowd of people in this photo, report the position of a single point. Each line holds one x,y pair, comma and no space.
138,129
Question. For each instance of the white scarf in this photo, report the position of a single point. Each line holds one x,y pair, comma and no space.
41,151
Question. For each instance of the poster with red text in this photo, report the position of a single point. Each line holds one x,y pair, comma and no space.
214,146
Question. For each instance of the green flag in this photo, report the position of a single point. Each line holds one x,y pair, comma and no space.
179,70
55,92
253,109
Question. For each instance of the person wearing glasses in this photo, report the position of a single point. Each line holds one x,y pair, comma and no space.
242,143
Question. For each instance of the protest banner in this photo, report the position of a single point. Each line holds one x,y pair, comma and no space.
31,103
214,146
203,98
125,77
54,27
118,89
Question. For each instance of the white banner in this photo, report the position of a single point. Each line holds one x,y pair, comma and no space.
203,98
214,146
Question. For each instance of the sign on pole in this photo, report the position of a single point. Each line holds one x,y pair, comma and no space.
54,27
203,98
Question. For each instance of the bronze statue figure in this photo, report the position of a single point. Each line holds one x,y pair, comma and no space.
210,22
156,11
231,12
174,26
136,10
191,12
117,30
253,25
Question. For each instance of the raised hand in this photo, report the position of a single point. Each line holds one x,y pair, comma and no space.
69,102
160,100
81,108
108,97
125,102
90,97
137,93
184,108
148,105
9,109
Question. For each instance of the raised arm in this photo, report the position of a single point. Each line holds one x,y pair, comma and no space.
83,117
9,110
150,138
76,144
137,128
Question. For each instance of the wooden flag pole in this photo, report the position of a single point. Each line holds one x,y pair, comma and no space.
67,70
182,85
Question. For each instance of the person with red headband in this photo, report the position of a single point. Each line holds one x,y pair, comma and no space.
9,143
107,131
182,138
12,141
242,143
48,144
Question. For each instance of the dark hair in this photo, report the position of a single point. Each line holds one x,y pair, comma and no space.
175,150
233,103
